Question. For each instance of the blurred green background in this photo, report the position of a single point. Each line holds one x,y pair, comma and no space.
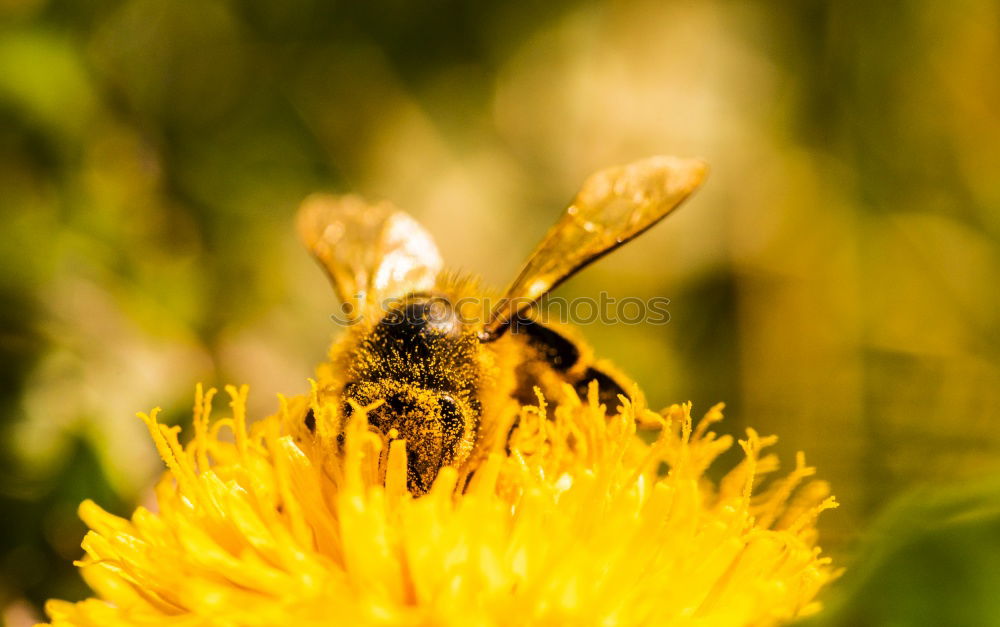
836,282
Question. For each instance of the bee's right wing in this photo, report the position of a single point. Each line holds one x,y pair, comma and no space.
369,251
614,206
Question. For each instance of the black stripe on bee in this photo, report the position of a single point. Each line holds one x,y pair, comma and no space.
310,421
556,350
607,388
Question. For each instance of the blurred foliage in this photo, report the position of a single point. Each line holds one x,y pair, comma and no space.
835,282
932,559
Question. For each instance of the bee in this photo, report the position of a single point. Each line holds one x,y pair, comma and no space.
438,374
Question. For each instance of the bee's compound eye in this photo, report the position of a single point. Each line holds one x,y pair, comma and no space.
310,421
451,414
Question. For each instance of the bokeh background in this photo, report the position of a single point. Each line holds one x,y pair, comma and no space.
837,281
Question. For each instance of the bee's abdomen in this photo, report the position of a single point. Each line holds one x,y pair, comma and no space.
557,351
560,357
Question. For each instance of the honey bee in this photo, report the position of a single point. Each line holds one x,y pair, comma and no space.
442,374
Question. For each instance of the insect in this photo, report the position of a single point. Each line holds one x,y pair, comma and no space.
414,343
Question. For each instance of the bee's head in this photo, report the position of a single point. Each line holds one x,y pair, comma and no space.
439,427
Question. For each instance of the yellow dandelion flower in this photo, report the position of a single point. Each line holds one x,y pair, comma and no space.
576,521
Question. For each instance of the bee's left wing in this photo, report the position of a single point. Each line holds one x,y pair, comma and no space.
369,251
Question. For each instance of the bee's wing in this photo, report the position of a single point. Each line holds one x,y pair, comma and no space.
614,206
369,251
